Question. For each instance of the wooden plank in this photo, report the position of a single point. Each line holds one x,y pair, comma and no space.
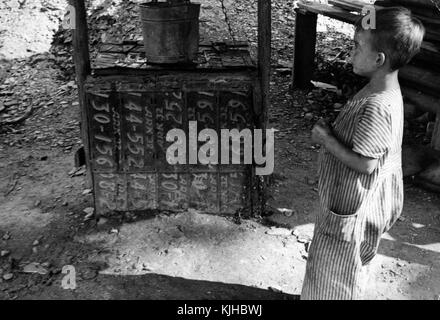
304,52
82,66
352,5
225,81
329,11
217,56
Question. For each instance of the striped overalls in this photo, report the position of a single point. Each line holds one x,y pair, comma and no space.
355,208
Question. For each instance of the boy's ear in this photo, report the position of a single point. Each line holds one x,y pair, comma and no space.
380,59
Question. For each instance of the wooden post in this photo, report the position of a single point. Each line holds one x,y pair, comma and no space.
264,54
81,59
435,141
304,52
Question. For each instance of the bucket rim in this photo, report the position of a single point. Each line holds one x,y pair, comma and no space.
160,5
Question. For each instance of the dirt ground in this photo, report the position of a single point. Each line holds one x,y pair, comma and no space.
186,255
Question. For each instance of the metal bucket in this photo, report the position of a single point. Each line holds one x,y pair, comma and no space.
170,30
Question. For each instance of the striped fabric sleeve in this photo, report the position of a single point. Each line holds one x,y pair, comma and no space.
372,137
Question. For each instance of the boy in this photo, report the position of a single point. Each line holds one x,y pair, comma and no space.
360,171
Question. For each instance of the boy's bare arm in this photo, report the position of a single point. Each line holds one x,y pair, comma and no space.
323,135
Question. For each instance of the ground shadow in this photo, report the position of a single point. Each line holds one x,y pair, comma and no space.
157,287
410,253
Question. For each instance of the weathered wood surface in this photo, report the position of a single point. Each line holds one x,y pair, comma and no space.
210,192
350,5
342,10
166,80
429,57
128,133
82,66
129,58
132,106
329,11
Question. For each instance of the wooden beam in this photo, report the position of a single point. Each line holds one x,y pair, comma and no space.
350,5
264,53
81,59
304,51
261,96
329,11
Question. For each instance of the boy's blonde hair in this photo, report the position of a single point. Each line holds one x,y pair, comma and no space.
398,34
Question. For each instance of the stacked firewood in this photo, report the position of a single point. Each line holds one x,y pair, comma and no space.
421,79
423,74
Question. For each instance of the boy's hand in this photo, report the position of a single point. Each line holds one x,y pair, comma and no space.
321,132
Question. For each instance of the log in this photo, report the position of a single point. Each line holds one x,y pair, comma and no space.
432,35
429,56
411,3
421,79
81,59
418,11
421,100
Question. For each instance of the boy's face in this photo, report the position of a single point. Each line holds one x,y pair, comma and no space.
364,58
